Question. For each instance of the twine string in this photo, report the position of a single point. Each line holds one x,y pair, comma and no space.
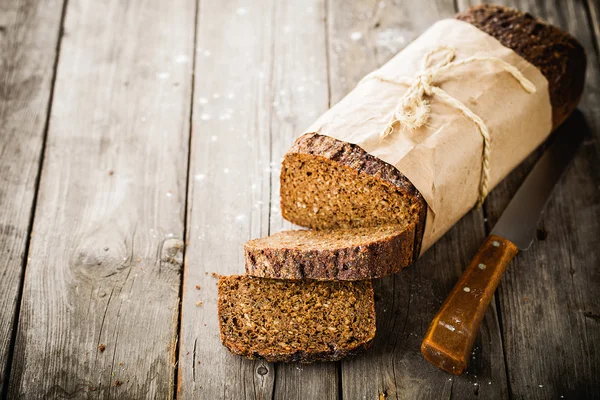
412,111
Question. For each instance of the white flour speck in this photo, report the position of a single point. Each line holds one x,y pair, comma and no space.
391,39
169,235
240,218
216,95
356,36
253,186
541,386
213,138
300,88
163,75
205,117
202,100
241,11
287,29
225,170
231,95
199,177
181,59
206,53
169,194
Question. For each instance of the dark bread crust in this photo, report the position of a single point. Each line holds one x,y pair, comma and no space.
355,261
556,53
358,160
305,357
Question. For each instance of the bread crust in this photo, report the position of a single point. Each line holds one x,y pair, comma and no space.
557,54
368,260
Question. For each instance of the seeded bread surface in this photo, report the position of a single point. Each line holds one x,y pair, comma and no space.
294,320
330,184
344,254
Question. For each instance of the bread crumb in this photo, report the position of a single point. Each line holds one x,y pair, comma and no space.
118,383
101,348
215,275
199,304
197,287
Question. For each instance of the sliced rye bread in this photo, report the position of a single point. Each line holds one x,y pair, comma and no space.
295,320
339,254
329,184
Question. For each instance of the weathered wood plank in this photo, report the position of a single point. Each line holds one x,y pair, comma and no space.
300,95
549,296
105,260
362,37
29,34
229,189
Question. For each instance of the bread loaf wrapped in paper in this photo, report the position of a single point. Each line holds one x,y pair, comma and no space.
423,139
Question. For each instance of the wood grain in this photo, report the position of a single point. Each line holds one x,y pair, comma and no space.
363,36
450,337
29,35
101,293
229,189
548,297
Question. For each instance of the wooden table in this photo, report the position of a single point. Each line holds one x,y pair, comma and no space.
140,148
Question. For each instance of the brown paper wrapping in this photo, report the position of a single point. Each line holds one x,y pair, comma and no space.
443,158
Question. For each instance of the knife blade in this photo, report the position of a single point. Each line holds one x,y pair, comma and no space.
450,336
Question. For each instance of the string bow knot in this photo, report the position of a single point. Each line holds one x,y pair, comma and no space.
412,111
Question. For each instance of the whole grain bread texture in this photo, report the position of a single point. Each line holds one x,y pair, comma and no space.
338,254
295,320
330,184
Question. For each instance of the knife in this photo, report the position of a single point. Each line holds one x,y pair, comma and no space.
450,336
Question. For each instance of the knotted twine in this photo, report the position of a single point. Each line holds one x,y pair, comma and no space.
413,110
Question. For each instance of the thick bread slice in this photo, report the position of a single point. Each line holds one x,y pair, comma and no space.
344,254
327,183
330,184
287,320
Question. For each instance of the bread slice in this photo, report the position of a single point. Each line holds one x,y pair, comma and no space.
344,254
287,320
327,183
330,184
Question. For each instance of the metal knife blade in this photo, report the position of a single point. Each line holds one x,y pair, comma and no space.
519,220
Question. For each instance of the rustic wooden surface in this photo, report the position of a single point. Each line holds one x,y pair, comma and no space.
104,263
149,124
29,35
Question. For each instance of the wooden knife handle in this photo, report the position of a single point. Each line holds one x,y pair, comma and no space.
450,337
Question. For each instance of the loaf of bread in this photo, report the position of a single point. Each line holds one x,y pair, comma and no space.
287,320
339,254
329,184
